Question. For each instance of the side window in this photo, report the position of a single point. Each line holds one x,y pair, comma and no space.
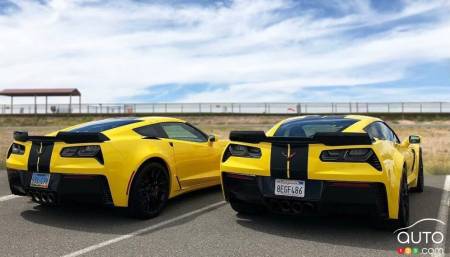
387,133
151,131
391,135
381,131
375,130
182,131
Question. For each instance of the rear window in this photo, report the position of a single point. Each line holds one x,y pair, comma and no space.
309,127
103,125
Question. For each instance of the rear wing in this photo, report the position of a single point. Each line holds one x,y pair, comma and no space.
326,138
66,137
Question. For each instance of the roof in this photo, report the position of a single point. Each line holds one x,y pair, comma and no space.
158,119
358,126
41,92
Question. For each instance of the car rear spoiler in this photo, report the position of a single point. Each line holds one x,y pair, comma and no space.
326,138
66,137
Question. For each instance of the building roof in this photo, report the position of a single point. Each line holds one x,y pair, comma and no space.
41,92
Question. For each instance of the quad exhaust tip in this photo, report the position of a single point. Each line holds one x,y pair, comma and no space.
293,207
43,197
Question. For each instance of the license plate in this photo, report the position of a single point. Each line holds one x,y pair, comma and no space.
40,180
286,187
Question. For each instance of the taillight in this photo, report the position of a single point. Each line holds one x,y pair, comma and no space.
351,155
87,151
16,149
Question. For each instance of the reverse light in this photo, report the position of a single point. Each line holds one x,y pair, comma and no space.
88,151
242,151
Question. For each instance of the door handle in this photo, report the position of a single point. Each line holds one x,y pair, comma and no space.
171,144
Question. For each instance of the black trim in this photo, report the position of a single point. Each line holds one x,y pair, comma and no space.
63,136
326,138
321,196
84,188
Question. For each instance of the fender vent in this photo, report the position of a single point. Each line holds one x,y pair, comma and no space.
373,160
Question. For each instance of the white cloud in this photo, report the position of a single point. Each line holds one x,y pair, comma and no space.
118,49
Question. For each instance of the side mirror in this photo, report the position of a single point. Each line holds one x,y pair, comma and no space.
414,139
211,138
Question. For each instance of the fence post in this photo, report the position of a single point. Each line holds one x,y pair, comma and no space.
420,107
367,107
403,107
389,107
440,106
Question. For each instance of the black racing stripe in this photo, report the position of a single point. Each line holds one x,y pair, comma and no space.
42,158
299,162
32,159
278,164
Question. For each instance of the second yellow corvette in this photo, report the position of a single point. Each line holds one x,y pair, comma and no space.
324,163
137,163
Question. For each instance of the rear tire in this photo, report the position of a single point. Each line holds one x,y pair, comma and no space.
149,191
403,209
245,208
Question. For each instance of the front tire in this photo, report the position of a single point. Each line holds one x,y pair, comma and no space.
149,191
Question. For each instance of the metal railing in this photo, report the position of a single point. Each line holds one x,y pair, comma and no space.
243,108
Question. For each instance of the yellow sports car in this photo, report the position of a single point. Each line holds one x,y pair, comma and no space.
323,164
137,163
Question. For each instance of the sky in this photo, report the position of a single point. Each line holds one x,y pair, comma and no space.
229,51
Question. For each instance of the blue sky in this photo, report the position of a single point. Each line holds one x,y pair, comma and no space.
229,51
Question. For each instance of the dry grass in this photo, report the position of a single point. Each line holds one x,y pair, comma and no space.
435,134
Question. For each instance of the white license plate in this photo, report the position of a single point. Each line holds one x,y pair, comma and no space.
286,187
40,180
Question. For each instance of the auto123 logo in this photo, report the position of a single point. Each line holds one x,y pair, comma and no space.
420,242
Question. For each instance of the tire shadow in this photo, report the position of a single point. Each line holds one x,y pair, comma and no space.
110,220
353,231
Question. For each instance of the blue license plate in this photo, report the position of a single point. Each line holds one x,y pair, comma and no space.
40,180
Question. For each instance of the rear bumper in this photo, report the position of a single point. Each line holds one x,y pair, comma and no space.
62,187
320,195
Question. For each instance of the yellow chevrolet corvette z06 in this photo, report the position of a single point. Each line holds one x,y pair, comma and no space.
324,164
137,163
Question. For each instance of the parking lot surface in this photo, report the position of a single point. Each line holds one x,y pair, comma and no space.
201,224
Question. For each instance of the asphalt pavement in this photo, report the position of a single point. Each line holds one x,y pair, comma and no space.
201,224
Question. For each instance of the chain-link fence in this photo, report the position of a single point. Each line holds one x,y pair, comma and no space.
244,108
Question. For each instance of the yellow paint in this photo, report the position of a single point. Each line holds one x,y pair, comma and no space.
391,155
195,164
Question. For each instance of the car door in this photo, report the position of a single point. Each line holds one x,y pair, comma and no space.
196,161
